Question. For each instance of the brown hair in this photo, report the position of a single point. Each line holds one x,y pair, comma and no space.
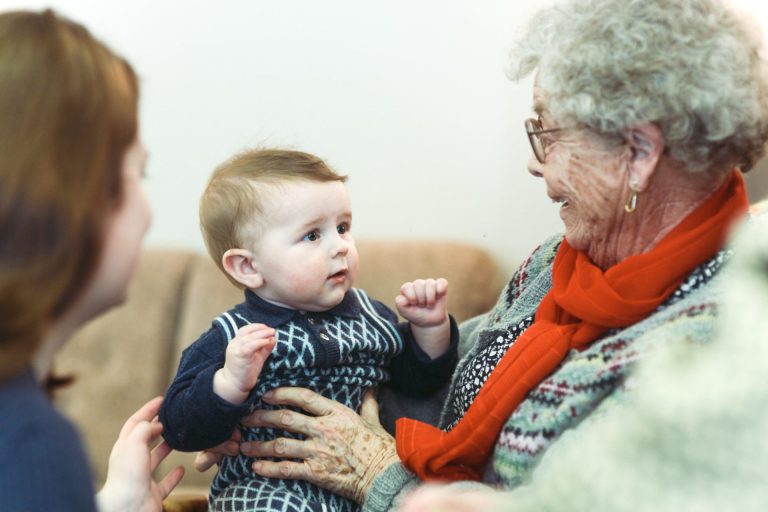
68,112
233,197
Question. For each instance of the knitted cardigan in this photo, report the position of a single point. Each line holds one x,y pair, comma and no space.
585,381
692,434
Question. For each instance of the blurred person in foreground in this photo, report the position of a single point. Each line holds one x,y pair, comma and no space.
73,215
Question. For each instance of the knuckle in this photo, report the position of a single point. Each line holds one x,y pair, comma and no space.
255,448
286,417
320,472
308,396
328,433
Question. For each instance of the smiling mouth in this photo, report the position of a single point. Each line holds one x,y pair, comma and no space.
559,200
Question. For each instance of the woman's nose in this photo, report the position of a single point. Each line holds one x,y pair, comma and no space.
534,166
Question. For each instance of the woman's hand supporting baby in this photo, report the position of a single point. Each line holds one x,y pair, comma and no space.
342,451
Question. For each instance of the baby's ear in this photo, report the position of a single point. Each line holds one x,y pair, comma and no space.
241,265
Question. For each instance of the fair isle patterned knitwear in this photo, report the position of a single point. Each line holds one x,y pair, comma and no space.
691,434
583,384
583,380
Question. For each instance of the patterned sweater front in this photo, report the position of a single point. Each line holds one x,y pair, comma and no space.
585,383
338,353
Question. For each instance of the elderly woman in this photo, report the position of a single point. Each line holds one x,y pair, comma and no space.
691,436
646,112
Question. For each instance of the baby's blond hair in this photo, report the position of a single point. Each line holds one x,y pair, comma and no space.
235,196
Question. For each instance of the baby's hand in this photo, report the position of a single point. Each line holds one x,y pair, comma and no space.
423,302
243,362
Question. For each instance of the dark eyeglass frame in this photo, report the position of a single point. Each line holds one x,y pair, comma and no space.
534,129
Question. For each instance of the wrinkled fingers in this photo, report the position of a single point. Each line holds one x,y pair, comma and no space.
285,419
281,447
283,469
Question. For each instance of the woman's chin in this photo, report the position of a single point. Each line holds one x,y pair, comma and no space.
565,211
576,240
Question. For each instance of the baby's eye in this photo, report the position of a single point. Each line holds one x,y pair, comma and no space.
343,228
312,236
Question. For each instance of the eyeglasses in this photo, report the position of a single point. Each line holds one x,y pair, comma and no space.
534,129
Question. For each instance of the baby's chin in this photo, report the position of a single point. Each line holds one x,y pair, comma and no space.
324,305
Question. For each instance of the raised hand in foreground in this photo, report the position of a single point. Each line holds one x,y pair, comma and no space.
130,485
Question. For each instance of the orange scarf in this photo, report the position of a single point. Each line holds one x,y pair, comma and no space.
583,303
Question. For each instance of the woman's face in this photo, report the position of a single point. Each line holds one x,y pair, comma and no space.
124,235
588,178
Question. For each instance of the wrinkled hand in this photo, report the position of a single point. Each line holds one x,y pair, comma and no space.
343,451
437,498
129,485
207,458
244,359
423,302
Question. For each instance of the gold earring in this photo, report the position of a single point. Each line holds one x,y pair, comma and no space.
631,203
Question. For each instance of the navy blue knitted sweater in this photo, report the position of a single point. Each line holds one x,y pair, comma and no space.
339,353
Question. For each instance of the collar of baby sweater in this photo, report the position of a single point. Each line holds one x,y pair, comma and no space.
273,315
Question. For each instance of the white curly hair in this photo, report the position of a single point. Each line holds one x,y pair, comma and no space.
693,67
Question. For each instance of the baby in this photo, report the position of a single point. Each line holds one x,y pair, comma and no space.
278,224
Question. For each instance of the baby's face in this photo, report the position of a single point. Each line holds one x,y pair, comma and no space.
306,254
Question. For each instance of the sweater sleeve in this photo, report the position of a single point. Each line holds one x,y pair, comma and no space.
389,487
396,482
414,372
193,416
